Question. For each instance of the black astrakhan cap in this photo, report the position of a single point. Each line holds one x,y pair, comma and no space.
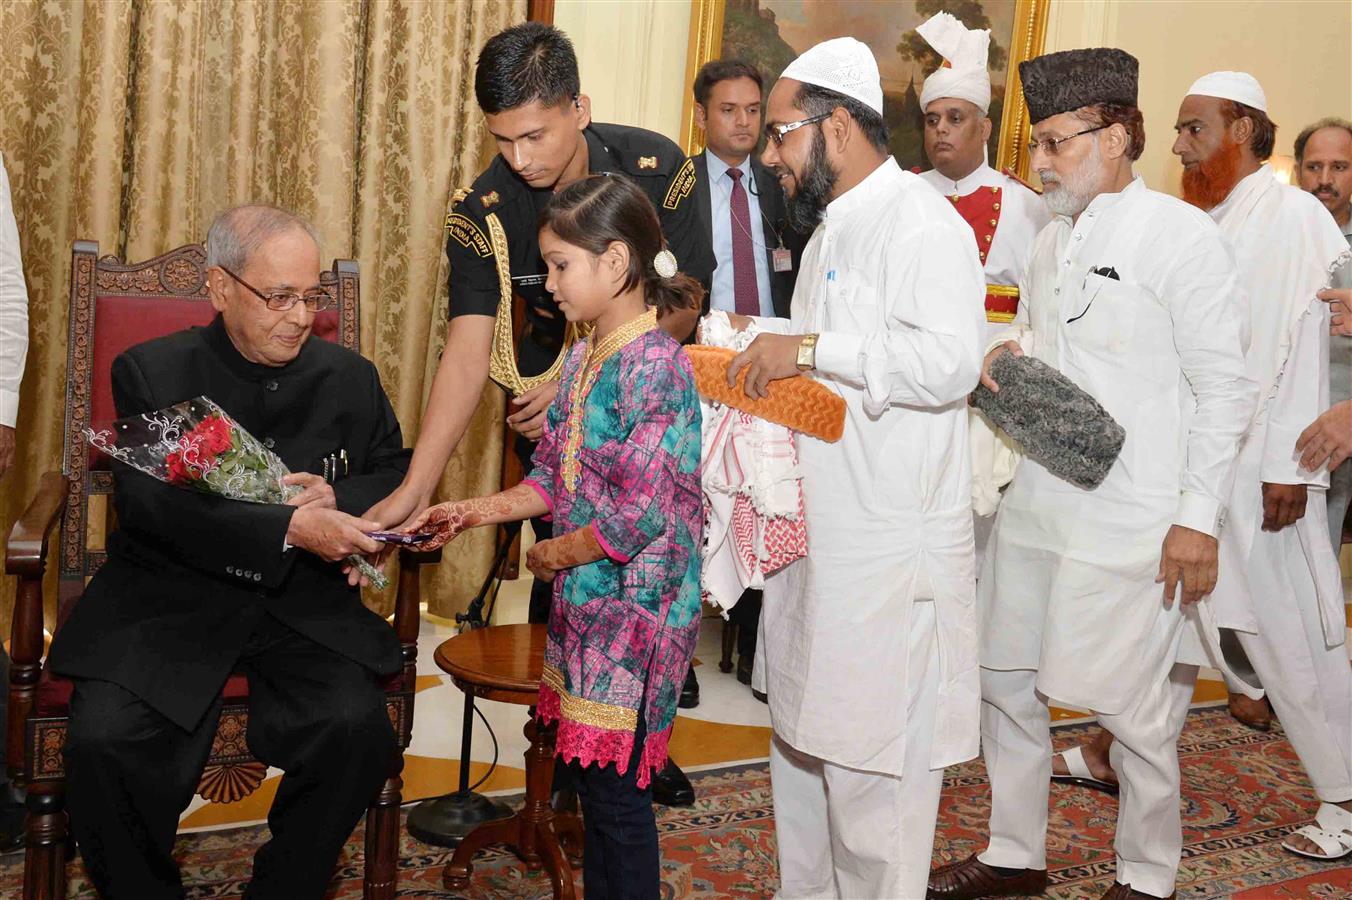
1065,81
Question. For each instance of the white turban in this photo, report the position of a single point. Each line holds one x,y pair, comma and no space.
963,74
1238,86
843,65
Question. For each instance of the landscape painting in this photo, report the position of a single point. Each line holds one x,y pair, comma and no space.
770,33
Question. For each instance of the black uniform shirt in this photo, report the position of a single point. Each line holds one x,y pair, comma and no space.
654,162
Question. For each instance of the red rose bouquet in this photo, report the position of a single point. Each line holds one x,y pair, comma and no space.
197,445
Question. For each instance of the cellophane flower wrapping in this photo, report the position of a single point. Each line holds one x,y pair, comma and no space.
196,445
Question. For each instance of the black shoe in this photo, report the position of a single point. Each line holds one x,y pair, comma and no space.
689,698
671,787
744,663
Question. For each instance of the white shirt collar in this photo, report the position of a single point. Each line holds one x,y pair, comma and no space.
978,177
861,195
1105,201
718,168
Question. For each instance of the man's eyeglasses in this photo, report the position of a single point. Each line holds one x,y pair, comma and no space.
776,132
1051,146
315,299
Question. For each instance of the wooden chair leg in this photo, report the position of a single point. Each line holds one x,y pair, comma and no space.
729,644
382,840
46,834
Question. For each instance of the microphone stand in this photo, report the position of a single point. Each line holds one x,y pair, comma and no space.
445,820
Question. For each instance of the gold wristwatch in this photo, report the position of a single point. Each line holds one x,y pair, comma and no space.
807,353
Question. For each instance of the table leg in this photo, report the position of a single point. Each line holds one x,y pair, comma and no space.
531,832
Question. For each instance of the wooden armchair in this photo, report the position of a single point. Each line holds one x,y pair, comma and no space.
130,304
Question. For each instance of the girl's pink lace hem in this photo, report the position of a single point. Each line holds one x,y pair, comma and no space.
589,744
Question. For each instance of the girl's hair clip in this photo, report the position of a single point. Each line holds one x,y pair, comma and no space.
665,264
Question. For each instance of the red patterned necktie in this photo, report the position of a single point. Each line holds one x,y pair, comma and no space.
746,297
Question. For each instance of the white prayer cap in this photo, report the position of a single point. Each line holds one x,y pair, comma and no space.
963,74
1240,87
843,65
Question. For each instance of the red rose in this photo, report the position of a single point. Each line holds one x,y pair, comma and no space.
177,469
216,435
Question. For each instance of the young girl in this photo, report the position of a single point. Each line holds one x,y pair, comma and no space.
618,469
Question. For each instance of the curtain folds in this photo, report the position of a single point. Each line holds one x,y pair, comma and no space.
132,122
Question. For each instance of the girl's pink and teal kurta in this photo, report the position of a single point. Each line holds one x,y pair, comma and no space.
622,630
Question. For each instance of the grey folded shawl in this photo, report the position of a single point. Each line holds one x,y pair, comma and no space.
1053,420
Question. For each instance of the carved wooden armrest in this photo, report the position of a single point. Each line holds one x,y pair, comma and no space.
26,548
408,599
26,557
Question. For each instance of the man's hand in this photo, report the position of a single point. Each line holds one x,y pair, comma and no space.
996,352
679,323
6,449
317,492
1328,439
532,408
1340,305
397,511
330,534
1188,558
769,358
1283,505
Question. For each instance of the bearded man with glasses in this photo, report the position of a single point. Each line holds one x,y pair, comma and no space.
196,587
1085,595
869,642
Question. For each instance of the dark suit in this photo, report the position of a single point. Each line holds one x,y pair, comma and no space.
774,225
197,586
775,232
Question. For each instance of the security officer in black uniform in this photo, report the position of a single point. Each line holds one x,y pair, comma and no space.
526,82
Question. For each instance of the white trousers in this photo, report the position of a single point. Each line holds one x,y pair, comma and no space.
846,833
1016,744
1308,682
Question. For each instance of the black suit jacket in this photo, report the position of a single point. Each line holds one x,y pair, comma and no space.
774,225
189,575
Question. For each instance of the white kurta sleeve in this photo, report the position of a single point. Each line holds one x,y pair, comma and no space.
13,308
1207,308
1300,397
934,292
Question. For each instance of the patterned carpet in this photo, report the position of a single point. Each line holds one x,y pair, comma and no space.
1243,791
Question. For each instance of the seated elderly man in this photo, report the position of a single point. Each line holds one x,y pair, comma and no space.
196,587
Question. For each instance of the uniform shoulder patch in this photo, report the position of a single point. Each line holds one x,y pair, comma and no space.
460,194
682,183
467,234
1010,174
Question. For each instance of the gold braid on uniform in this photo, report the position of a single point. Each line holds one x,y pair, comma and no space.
502,366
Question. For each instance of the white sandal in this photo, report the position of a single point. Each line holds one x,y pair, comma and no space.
1332,833
1080,774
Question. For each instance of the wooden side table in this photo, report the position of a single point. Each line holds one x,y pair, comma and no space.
504,663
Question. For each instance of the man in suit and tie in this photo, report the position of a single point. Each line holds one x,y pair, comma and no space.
742,209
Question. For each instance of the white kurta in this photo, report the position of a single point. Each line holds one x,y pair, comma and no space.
1022,215
891,281
1287,245
1068,586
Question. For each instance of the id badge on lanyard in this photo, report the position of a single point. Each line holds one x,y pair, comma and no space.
781,258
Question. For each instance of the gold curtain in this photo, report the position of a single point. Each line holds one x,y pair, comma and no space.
132,122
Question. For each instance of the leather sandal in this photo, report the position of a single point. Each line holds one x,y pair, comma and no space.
971,879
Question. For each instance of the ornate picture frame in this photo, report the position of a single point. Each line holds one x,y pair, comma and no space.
1018,31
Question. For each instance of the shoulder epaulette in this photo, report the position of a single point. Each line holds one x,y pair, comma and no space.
1009,173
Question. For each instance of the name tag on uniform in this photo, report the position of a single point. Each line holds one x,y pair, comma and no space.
782,259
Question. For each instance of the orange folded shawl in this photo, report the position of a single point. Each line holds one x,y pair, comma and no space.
799,403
